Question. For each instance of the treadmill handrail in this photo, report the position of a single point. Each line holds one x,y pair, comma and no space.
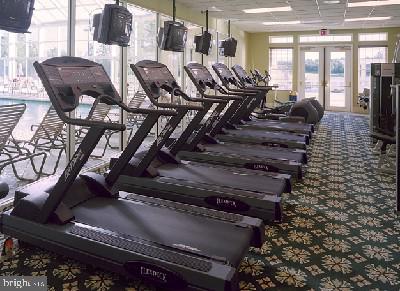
223,97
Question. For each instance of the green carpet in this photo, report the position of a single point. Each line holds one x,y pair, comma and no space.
339,231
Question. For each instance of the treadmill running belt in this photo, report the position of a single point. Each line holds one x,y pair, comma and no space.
267,134
220,177
280,124
163,226
257,153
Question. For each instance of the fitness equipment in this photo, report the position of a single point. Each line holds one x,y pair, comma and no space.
320,109
245,82
202,146
252,99
16,15
176,246
364,98
305,109
397,97
158,172
382,104
4,189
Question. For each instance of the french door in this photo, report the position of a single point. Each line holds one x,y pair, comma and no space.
325,74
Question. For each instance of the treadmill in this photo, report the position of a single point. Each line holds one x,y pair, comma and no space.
172,245
246,82
202,147
157,172
253,98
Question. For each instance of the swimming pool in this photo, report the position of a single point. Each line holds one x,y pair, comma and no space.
34,113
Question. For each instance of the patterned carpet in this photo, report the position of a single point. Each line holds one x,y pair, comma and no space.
340,231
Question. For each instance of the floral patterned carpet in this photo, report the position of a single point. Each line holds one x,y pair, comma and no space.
340,231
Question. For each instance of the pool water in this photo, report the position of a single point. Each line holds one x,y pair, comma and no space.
34,113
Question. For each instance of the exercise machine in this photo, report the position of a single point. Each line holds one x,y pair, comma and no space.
159,172
202,146
239,133
173,245
245,82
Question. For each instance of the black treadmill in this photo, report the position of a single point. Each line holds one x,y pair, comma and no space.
202,147
253,99
246,82
160,173
173,245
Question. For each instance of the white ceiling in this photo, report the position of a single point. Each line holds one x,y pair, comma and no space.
314,14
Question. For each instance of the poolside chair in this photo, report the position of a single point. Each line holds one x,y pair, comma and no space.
11,151
135,120
47,136
98,112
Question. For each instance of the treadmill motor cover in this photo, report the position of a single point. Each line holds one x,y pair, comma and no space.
203,43
172,37
113,26
227,47
16,15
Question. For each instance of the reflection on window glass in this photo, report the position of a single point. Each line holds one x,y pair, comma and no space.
143,44
281,67
19,83
366,56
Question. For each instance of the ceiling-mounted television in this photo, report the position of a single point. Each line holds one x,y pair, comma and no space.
172,37
227,47
113,25
203,43
16,15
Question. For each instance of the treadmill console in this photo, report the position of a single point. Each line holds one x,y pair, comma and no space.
201,77
153,77
245,79
224,74
68,78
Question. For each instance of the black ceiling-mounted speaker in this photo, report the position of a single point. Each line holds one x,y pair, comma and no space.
203,43
113,25
172,37
227,47
16,15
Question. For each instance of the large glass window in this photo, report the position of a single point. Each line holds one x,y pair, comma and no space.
366,56
19,83
143,44
381,36
281,67
326,38
281,39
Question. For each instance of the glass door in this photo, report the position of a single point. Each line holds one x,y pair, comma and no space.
325,74
311,79
338,78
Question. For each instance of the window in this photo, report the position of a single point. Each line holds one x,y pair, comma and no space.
281,67
143,44
326,38
281,39
366,56
382,36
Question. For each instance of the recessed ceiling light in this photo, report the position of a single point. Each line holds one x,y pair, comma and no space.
282,22
265,10
368,19
332,1
214,9
373,3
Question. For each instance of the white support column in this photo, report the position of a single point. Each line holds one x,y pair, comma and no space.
70,146
123,68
